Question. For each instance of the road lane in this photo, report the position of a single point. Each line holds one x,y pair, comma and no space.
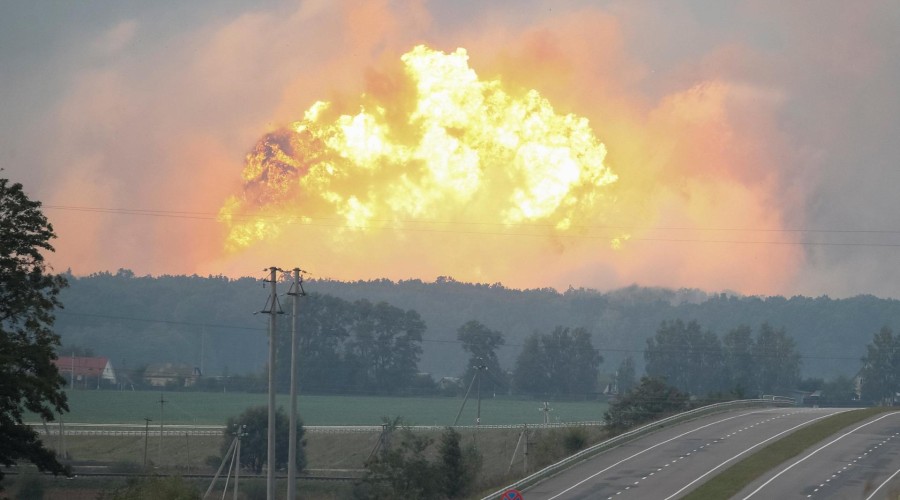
672,460
861,461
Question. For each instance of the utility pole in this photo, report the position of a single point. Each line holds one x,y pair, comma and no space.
237,463
296,292
465,398
270,456
146,438
481,367
187,439
162,402
546,411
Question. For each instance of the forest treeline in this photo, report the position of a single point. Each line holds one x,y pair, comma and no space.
210,322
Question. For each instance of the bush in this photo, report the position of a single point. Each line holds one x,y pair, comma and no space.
254,444
575,439
650,400
405,471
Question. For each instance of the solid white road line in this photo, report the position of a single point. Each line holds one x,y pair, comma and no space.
748,449
835,440
886,481
592,476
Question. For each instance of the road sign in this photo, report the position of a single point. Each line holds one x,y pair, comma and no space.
511,495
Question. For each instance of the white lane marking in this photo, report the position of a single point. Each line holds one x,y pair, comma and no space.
842,436
645,450
748,449
886,481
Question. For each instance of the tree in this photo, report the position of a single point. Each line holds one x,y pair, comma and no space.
685,356
29,381
584,363
740,367
563,362
405,471
529,375
650,400
254,443
626,375
323,326
776,360
386,345
402,471
881,368
481,343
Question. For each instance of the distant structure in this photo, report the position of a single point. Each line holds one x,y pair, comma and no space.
85,372
171,374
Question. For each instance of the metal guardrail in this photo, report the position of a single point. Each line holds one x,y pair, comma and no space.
634,434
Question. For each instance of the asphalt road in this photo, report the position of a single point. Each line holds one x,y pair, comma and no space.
861,461
671,462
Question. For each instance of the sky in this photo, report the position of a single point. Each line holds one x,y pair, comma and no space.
747,146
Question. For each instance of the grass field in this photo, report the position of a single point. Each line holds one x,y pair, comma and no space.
88,406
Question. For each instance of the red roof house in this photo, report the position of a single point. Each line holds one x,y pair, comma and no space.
86,370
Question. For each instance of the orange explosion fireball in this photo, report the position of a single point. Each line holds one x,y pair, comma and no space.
458,149
434,171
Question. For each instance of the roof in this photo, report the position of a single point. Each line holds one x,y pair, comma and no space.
80,365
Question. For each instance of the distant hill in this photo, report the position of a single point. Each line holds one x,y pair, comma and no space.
209,322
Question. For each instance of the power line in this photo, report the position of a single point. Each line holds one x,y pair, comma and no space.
409,226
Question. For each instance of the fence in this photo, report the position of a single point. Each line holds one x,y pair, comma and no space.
85,429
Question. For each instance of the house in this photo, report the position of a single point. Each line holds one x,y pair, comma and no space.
84,371
166,374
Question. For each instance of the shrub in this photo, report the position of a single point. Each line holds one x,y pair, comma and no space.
574,439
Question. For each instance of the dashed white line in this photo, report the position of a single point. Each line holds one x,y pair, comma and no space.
842,436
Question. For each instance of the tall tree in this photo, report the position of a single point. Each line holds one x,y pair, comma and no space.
323,326
626,375
584,363
685,356
562,362
386,346
740,369
530,375
777,361
29,381
481,343
881,368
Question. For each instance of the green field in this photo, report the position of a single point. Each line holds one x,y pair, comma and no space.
214,408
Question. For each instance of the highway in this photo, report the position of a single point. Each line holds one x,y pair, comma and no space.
862,461
669,463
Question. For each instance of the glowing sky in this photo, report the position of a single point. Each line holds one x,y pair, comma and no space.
747,146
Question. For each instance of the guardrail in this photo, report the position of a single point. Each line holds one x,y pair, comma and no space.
633,434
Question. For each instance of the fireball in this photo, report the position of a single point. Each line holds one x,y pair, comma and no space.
440,148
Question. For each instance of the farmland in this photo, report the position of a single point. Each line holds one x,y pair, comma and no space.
205,408
327,453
